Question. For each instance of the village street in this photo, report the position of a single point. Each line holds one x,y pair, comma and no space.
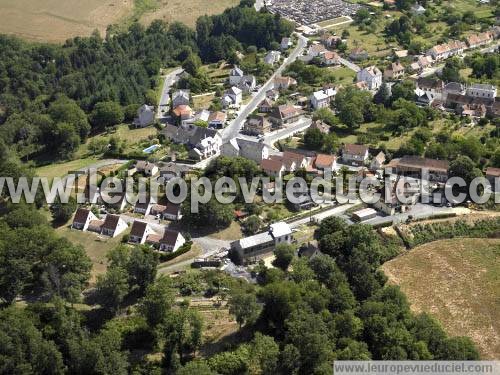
169,80
232,130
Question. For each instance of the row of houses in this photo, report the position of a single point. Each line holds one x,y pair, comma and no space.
474,100
141,232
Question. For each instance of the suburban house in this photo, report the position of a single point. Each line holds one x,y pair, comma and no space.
322,98
315,50
330,58
473,110
139,232
145,116
285,43
480,39
415,166
235,76
204,142
217,120
257,125
250,248
247,84
143,206
183,112
266,106
113,225
284,83
392,205
119,201
325,162
428,89
446,50
82,219
272,57
172,211
371,75
329,41
355,154
146,167
273,167
171,241
358,54
321,126
180,97
272,95
394,71
493,176
232,97
284,114
256,151
172,170
421,63
378,161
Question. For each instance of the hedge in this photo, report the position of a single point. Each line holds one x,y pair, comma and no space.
182,250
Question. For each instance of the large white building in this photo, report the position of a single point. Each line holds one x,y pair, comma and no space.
481,90
322,98
254,246
372,76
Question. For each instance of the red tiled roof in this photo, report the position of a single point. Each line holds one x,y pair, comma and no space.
274,165
355,149
81,215
323,160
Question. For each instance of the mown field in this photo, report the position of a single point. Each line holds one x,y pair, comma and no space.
458,282
58,20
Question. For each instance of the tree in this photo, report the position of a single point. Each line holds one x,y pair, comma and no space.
264,352
65,110
458,348
464,168
112,288
244,307
157,302
252,224
192,64
62,212
107,114
284,254
383,95
313,139
24,349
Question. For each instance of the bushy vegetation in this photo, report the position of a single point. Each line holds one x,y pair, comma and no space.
423,233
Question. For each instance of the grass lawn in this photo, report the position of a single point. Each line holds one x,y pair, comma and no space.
95,246
233,232
343,75
60,169
333,22
461,287
202,101
131,135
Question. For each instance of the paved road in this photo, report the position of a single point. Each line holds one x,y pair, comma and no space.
337,210
349,64
169,80
232,130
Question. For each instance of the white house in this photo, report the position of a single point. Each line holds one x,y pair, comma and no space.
217,120
272,57
140,232
378,161
113,225
372,76
82,219
171,241
232,96
322,98
446,50
273,167
172,212
355,154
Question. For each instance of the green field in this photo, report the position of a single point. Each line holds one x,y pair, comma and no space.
333,22
457,281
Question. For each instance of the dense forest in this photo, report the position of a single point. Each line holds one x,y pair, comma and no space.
51,96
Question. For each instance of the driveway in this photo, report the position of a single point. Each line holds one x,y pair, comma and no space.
169,80
232,130
290,130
